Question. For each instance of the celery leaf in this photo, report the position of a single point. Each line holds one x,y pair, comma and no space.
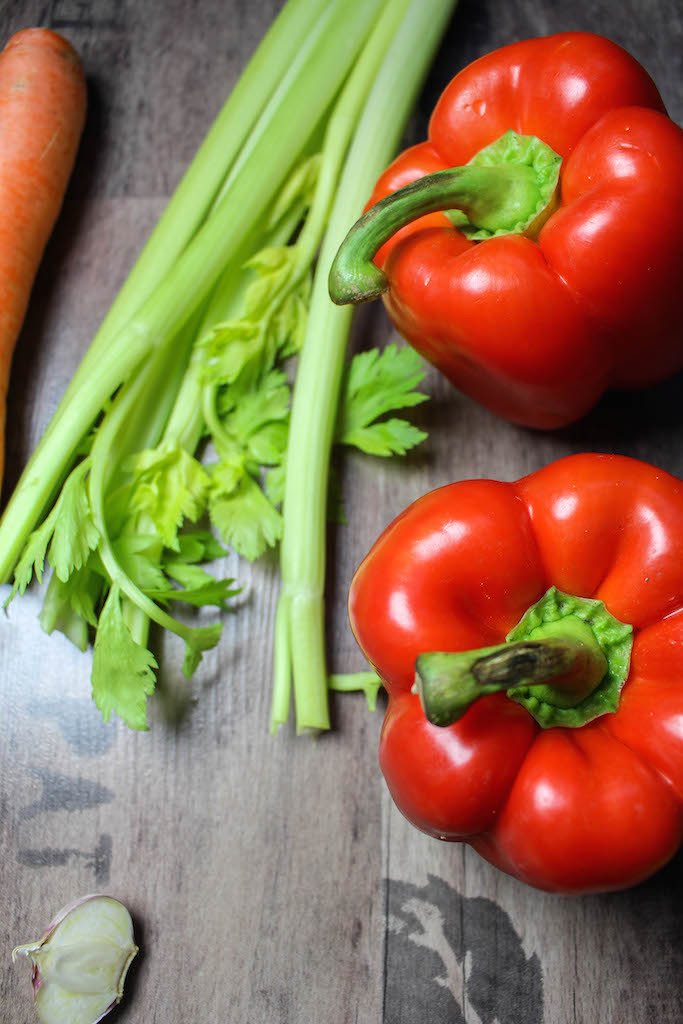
245,518
272,322
274,266
187,575
377,382
32,558
69,531
298,188
256,418
254,421
57,613
75,534
210,592
388,437
274,484
198,546
170,486
139,555
70,605
123,671
196,586
248,404
199,640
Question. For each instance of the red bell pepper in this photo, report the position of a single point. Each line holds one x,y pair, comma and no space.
543,622
558,270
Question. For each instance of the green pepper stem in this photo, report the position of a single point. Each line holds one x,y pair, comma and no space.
492,197
509,187
564,668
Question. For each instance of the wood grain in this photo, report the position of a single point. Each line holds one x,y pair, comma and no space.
271,879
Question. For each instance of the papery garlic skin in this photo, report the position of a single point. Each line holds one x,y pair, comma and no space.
80,963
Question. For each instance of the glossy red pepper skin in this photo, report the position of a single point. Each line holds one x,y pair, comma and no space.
538,330
590,809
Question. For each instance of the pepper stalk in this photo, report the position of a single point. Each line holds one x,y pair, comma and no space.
566,662
509,187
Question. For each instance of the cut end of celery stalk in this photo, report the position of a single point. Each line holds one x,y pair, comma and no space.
300,658
367,682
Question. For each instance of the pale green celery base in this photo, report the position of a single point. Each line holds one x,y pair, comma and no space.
320,372
307,626
282,664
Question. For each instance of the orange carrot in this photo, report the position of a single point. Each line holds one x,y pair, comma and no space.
42,111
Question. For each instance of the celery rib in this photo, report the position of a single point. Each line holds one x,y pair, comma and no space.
300,655
240,118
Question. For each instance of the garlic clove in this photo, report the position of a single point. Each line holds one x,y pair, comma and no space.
79,965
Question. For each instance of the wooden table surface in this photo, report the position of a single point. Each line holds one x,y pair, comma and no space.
271,880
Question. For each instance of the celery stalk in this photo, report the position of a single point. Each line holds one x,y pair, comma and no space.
204,179
186,283
337,138
299,653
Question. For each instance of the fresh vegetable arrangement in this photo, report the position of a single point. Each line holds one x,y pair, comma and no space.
191,359
530,637
516,249
528,634
42,111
